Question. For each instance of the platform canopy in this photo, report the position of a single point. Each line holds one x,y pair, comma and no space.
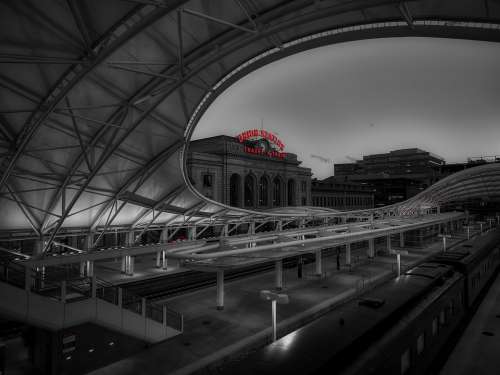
99,98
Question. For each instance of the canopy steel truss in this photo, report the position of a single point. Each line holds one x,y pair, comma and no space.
99,102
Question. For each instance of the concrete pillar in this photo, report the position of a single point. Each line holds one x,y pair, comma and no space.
319,265
224,230
192,233
130,238
398,261
389,244
164,319
371,248
131,264
93,284
220,290
28,279
401,239
73,242
164,234
164,262
279,274
438,209
83,268
279,225
123,267
120,298
38,247
90,268
348,254
302,223
143,307
63,291
251,231
158,259
89,239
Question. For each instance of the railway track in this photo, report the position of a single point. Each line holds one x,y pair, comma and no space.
185,282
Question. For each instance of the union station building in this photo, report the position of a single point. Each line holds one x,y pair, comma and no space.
243,174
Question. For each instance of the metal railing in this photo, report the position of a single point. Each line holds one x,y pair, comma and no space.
70,290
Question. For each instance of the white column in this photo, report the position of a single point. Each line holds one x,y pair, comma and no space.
130,238
279,274
398,261
158,259
94,287
120,297
90,268
82,268
164,262
319,266
401,239
224,230
164,234
28,279
131,265
251,231
89,238
348,254
279,225
192,233
371,248
273,304
220,290
124,264
63,291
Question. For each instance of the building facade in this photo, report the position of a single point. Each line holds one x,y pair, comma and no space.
230,171
339,194
396,175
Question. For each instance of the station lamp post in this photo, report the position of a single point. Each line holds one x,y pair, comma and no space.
275,298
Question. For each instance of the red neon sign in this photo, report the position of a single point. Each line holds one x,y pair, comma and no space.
262,142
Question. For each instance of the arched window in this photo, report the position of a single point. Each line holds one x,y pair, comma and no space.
277,193
249,191
234,190
263,191
291,192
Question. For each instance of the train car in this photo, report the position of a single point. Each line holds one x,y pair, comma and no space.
477,259
397,328
331,343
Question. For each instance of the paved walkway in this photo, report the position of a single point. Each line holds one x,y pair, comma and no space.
210,335
477,350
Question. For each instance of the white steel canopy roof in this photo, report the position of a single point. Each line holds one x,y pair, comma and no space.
98,99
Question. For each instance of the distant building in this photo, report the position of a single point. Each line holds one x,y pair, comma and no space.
339,194
251,171
396,175
451,168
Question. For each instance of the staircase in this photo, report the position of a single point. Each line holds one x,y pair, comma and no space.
29,297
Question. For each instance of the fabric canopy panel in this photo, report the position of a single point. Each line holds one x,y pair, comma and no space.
98,99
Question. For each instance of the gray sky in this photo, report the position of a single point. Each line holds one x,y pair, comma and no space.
372,96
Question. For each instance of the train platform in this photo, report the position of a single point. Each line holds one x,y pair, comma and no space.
476,352
145,268
212,335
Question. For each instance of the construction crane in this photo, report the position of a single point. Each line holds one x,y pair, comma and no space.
322,159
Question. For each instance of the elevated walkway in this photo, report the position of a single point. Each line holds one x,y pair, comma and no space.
67,303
